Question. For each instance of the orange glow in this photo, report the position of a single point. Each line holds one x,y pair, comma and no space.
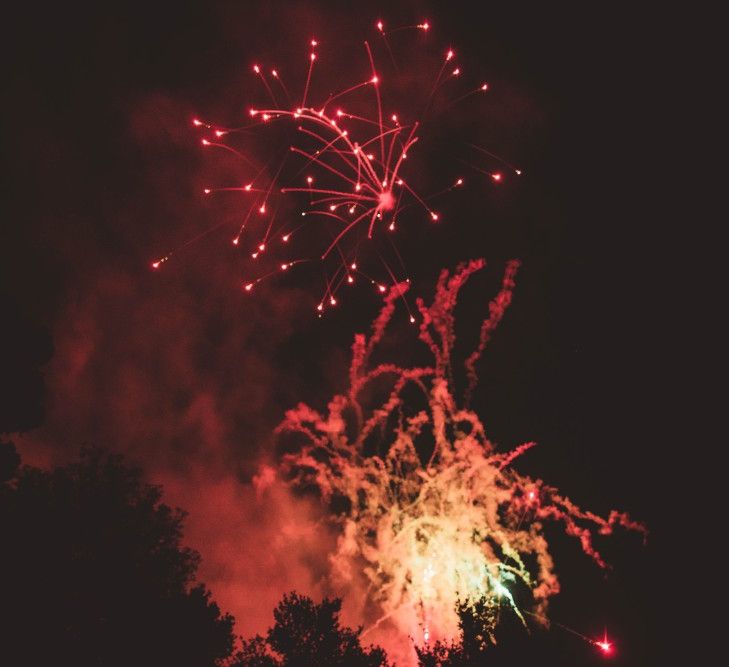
426,531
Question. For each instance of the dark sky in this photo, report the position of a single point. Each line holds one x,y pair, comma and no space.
188,375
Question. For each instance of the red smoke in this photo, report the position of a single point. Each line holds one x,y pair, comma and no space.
180,372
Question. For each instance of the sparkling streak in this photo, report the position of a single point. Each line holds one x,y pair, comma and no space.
434,511
360,162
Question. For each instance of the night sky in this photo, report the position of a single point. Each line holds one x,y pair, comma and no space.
188,375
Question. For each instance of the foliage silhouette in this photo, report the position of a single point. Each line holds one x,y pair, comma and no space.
477,623
495,637
93,572
304,634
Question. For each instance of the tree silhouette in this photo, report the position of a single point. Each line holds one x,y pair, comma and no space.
495,637
306,634
92,572
477,623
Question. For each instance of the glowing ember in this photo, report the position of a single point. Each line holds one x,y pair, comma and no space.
604,645
429,512
387,201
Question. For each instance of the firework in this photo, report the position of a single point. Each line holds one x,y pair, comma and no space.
436,515
337,174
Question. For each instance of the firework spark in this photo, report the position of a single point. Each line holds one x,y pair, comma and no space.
437,515
345,166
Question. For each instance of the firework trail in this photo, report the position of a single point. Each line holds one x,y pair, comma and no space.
345,162
436,515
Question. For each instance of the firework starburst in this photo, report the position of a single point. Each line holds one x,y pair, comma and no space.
346,162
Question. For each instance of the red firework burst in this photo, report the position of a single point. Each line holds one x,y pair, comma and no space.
344,158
